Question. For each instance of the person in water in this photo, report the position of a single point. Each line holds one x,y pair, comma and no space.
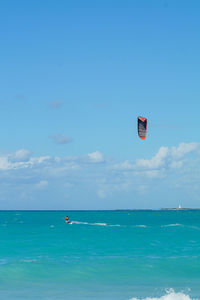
67,219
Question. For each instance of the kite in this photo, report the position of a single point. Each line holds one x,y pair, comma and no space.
142,127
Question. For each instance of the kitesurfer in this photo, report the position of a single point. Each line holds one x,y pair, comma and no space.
67,219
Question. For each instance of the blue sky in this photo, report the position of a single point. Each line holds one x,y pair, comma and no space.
74,77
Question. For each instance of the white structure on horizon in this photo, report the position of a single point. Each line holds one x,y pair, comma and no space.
179,206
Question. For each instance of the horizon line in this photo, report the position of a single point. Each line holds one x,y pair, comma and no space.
115,209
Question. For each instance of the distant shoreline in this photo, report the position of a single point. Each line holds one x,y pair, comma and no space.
157,209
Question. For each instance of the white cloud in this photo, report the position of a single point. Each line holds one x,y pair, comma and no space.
22,155
96,157
14,160
170,166
126,165
183,149
165,158
39,160
158,161
20,160
4,163
176,164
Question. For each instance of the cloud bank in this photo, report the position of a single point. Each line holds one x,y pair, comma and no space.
94,175
165,158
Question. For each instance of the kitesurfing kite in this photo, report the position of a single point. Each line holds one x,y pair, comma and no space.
142,127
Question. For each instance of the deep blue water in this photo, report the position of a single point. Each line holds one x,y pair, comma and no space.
101,255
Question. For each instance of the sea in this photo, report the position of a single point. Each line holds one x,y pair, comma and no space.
111,255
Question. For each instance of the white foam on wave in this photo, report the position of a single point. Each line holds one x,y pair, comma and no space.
170,295
86,223
76,222
172,225
144,226
95,224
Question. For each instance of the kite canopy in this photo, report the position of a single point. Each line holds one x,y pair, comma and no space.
142,127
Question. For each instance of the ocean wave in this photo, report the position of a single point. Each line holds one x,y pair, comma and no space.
95,224
170,295
144,226
172,225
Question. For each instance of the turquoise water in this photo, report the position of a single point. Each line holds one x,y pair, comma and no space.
101,255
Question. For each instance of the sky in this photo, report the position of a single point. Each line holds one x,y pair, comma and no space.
75,75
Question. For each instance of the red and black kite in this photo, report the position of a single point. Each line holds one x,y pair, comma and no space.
142,127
